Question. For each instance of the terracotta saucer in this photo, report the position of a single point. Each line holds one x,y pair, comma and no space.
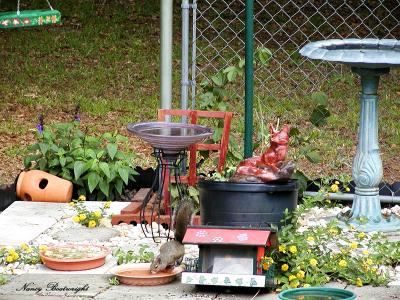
70,264
139,274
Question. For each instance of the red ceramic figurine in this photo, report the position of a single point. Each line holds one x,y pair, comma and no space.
270,165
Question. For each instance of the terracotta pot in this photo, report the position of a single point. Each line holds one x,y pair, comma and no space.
75,264
139,274
37,185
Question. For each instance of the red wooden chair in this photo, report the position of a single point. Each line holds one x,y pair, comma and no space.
222,147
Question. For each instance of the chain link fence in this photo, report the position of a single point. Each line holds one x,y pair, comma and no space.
284,27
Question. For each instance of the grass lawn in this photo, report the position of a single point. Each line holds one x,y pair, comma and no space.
105,56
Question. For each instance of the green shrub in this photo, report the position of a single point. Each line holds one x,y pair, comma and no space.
96,165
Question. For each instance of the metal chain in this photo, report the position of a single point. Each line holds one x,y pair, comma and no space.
18,6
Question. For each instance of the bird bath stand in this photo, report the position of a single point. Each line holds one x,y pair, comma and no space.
369,58
170,142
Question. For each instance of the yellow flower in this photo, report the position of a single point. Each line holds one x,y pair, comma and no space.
359,282
97,214
347,189
365,252
294,284
282,248
292,277
353,245
82,217
361,235
374,270
9,259
333,231
284,267
92,223
76,219
369,261
42,248
352,227
72,204
310,239
334,188
24,246
313,262
337,182
107,204
82,198
14,255
306,285
342,263
293,249
300,274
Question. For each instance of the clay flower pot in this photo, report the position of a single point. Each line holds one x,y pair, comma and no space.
37,185
74,257
139,274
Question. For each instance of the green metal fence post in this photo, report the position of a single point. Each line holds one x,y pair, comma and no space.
249,82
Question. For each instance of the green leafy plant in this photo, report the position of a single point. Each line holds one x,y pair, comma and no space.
86,217
113,281
3,279
97,165
319,254
143,255
191,193
23,254
320,112
216,91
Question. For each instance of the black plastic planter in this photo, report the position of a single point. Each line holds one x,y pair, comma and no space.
7,196
245,204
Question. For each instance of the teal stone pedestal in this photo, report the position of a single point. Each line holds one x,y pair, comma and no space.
370,59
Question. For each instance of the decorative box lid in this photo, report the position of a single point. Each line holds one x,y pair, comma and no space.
226,236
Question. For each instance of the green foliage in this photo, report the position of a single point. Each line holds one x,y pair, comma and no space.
216,95
320,113
113,281
86,217
224,176
316,255
143,255
3,279
23,254
190,193
96,165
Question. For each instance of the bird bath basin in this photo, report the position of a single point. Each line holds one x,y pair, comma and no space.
170,142
369,58
170,137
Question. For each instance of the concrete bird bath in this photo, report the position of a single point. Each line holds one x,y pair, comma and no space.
369,58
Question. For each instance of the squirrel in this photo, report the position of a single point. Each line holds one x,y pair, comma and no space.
173,251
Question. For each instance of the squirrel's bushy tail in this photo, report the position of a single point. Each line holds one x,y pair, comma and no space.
183,218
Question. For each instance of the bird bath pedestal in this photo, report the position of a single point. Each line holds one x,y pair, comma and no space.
369,58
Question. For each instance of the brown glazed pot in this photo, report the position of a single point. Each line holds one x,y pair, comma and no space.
38,186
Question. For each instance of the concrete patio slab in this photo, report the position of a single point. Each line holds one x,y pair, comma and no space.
23,221
15,230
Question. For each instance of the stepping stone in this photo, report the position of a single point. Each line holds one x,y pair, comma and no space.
86,234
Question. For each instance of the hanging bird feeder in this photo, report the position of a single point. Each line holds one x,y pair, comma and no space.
29,18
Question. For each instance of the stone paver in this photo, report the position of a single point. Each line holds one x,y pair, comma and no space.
98,288
55,285
23,221
82,234
15,230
